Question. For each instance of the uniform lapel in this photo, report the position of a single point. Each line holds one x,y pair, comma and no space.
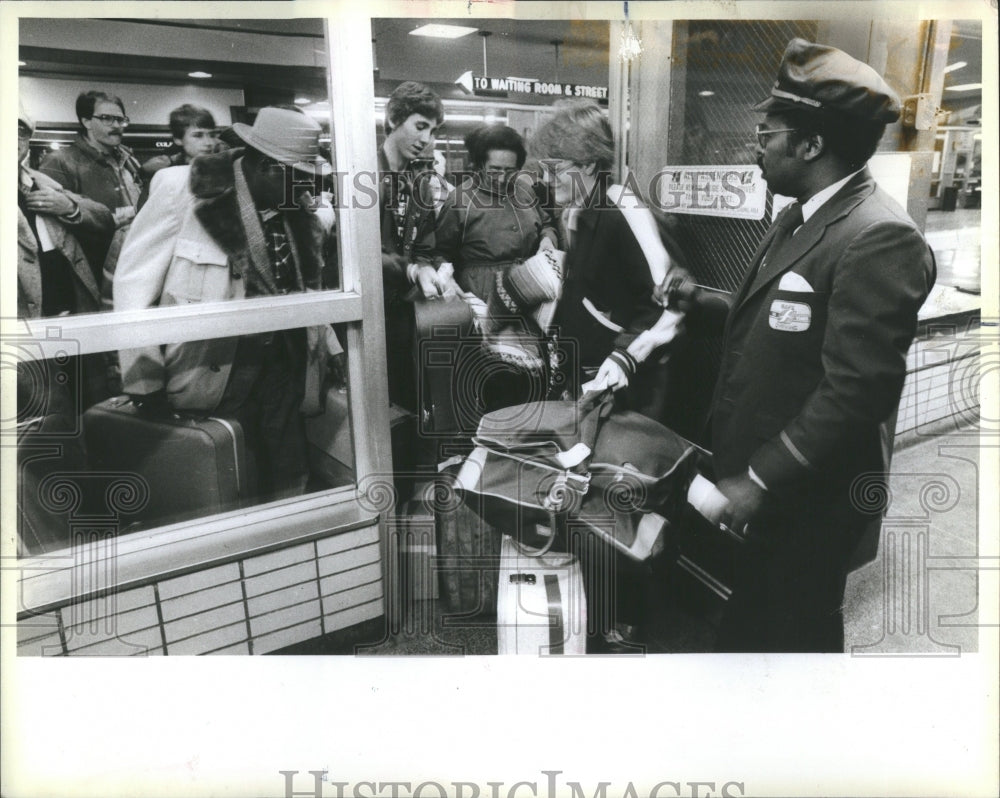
807,237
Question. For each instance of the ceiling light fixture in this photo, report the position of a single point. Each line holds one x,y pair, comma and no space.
21,63
953,67
439,31
201,75
302,101
706,93
965,87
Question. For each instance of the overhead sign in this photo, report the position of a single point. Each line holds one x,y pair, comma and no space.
739,192
502,87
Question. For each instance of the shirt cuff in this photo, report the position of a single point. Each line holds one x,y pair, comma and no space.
74,215
755,479
625,360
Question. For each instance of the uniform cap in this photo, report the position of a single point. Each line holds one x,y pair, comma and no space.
823,79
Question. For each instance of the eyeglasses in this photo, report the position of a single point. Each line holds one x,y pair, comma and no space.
108,119
762,133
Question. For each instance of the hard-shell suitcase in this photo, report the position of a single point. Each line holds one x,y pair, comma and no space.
191,466
541,604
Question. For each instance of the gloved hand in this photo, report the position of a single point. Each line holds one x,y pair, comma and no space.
446,281
677,291
425,277
152,405
611,375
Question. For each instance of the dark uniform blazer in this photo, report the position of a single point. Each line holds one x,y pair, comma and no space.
808,376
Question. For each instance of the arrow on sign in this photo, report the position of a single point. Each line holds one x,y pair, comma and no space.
465,81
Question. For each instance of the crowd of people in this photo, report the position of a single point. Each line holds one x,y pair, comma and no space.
562,282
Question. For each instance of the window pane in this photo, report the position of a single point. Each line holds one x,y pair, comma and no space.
277,426
144,129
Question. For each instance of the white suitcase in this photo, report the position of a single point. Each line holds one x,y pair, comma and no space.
541,604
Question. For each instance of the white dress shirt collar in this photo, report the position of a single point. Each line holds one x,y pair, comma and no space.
815,202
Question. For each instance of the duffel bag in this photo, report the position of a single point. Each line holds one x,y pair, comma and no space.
620,474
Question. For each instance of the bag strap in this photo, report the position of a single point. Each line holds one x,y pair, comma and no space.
557,524
593,409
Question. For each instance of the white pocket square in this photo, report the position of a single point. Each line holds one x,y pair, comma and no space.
790,281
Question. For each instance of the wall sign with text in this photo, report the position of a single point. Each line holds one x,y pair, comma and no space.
502,87
735,191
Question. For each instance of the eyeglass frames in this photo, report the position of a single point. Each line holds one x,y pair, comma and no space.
762,133
109,119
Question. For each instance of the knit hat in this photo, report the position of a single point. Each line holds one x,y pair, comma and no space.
524,286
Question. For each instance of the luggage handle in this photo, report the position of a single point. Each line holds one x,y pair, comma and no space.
557,523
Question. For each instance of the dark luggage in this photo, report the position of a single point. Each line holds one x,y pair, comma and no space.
468,551
48,447
444,343
620,474
192,467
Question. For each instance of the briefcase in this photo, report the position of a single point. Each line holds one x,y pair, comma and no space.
190,466
541,603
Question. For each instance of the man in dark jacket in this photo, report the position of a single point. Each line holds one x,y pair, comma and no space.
815,354
98,166
406,199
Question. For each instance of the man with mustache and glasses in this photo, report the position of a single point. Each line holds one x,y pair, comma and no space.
98,166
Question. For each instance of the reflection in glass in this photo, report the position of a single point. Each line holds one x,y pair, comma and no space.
281,431
171,122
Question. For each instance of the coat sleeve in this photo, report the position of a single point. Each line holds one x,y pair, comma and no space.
424,243
142,269
643,314
879,284
448,232
58,167
94,216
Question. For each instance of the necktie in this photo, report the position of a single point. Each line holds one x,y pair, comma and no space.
280,253
786,225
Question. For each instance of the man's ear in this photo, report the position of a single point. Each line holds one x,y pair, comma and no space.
814,146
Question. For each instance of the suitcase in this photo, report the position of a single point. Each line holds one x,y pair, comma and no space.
467,549
541,605
192,467
48,447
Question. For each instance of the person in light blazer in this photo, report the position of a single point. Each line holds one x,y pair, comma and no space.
814,354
